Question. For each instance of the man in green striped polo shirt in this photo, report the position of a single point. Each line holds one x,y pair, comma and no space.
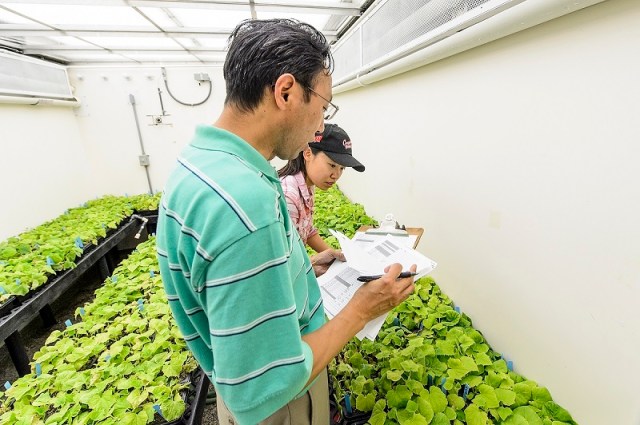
239,282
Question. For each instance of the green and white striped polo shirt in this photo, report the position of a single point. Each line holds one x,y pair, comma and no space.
238,279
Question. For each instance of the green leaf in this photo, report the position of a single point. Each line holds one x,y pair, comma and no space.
399,396
474,416
378,419
541,394
523,393
482,359
460,367
425,409
413,419
506,397
440,419
556,412
456,401
394,375
527,413
172,409
487,397
137,397
437,399
365,403
504,412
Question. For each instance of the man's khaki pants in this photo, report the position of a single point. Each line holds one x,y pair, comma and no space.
310,409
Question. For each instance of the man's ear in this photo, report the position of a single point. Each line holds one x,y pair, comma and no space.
282,90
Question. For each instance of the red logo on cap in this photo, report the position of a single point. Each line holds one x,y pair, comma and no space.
346,143
318,137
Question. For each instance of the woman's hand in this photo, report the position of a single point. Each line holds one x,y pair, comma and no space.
322,260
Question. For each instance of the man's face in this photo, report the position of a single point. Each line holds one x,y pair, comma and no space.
307,119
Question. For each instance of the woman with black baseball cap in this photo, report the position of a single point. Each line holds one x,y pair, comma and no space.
320,165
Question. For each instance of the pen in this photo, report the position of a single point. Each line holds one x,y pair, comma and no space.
370,278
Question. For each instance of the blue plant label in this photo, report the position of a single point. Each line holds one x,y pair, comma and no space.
114,278
103,225
7,385
510,365
157,408
18,281
38,369
457,309
2,291
81,311
429,380
465,391
79,243
49,261
140,304
107,357
347,403
67,322
151,273
444,380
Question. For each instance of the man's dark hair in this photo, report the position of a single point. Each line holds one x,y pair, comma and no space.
294,166
260,51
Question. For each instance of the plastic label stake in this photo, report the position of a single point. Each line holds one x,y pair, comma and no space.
152,274
7,385
140,304
107,357
444,390
510,365
49,261
18,281
79,243
38,369
114,278
347,403
157,408
81,311
2,291
465,391
67,322
457,309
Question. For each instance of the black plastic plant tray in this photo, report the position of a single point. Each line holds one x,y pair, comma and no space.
197,391
8,305
356,417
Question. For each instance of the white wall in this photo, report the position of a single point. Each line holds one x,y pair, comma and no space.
55,158
521,161
107,123
44,166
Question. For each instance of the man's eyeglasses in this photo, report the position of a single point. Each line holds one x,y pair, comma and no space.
331,110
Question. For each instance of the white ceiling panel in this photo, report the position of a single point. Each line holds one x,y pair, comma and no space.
67,14
149,31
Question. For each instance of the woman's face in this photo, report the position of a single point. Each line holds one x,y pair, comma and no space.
322,172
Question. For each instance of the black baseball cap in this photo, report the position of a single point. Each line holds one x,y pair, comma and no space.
336,144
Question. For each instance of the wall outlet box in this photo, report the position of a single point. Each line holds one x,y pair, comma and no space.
201,76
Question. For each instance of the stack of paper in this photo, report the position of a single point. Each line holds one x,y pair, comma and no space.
340,282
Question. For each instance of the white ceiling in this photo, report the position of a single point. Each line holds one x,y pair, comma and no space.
151,31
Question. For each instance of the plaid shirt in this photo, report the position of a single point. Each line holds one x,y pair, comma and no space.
300,204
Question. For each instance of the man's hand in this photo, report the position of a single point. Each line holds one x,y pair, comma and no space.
323,260
381,295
